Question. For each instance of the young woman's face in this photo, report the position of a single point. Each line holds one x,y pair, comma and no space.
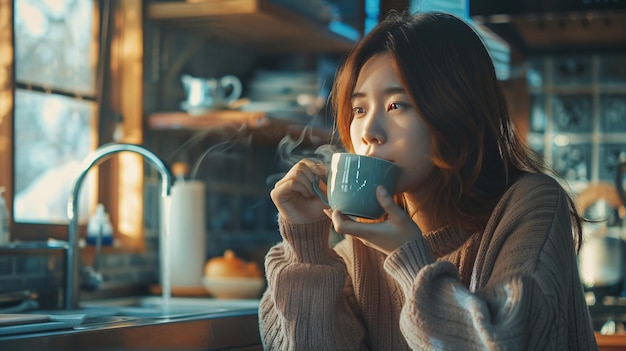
386,125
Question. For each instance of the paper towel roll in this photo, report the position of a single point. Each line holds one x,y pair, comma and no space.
187,234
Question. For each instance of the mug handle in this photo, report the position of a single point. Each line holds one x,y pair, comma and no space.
319,193
235,84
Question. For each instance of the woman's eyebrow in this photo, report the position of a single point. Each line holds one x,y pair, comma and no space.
394,90
357,95
388,91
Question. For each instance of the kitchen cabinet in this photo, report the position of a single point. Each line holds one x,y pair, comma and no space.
230,36
258,25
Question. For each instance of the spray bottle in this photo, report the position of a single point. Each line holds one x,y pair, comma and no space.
100,226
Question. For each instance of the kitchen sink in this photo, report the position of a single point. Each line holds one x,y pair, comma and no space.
174,307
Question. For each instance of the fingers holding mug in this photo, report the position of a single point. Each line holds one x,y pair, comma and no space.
294,196
306,172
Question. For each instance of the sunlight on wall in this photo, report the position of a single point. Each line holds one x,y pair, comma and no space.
130,194
127,69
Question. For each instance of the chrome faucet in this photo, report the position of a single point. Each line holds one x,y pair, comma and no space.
72,267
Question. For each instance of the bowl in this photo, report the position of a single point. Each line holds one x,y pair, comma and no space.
234,287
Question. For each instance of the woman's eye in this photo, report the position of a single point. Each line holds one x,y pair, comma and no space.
356,111
395,106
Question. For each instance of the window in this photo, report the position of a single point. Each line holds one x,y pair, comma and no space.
56,107
577,114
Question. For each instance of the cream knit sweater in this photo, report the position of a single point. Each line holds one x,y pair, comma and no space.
514,286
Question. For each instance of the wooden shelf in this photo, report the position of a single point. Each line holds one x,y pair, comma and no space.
208,120
256,24
260,125
611,342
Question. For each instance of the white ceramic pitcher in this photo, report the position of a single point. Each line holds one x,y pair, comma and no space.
210,93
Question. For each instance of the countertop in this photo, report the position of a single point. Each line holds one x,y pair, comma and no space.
229,330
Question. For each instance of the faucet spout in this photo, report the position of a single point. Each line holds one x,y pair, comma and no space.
72,271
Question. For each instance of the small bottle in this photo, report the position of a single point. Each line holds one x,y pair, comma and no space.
100,222
4,219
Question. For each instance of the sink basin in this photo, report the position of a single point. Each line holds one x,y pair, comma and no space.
175,307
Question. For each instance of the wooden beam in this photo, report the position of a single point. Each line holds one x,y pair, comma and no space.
6,103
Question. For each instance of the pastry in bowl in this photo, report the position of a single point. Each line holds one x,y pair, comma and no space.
230,277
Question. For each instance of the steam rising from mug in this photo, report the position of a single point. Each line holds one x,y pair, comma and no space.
289,154
291,151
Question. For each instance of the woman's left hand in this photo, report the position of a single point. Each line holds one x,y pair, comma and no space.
386,236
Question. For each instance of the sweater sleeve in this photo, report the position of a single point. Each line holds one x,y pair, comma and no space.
525,292
304,306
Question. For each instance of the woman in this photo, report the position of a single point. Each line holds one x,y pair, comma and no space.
478,249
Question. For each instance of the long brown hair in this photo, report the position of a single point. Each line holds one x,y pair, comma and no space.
449,75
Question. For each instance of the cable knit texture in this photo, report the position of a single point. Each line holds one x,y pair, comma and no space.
514,286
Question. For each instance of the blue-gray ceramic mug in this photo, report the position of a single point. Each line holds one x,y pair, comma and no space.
352,182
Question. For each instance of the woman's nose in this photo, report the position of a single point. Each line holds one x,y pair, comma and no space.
373,132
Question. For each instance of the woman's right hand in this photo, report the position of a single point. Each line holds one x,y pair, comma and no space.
294,196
